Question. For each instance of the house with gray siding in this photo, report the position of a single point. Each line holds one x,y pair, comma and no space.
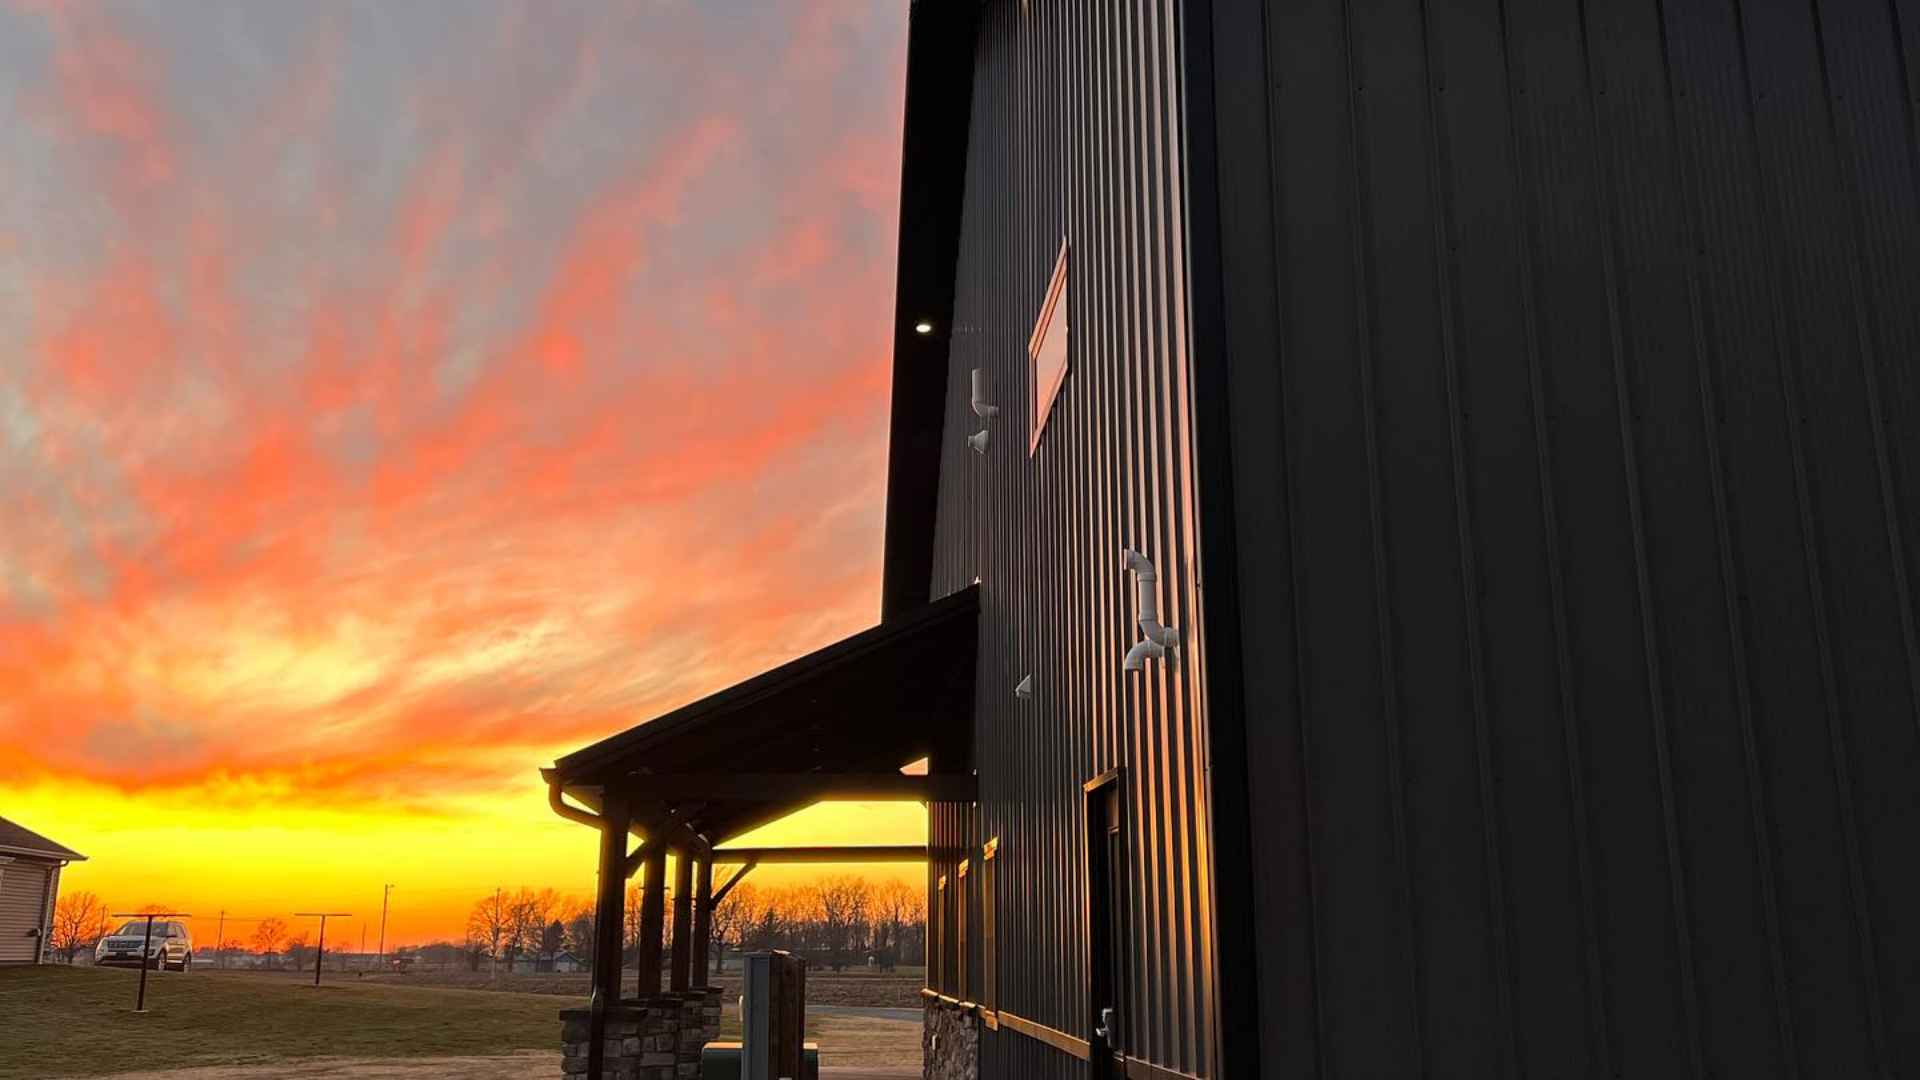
30,867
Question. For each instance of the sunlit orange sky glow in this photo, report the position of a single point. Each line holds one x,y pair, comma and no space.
394,396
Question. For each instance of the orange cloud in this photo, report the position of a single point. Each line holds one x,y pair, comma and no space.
391,418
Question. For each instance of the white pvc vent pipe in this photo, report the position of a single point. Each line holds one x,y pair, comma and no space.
1159,639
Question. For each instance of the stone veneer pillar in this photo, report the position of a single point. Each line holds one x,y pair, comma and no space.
655,1039
950,1041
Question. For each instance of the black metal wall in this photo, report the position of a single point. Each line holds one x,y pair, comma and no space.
1573,360
1076,132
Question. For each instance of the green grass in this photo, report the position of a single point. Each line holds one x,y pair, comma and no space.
59,1021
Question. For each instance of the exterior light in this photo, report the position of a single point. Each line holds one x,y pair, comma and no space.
923,327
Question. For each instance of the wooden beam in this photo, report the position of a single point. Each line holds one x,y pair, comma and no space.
783,787
679,966
739,874
653,919
639,857
658,822
702,923
869,853
609,916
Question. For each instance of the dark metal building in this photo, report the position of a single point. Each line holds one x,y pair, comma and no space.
1517,407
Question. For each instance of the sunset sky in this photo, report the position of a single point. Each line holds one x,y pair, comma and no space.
394,396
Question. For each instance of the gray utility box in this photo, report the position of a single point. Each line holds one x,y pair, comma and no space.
773,1017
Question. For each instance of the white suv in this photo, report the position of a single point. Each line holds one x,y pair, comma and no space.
171,947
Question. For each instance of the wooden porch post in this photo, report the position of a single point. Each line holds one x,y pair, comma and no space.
653,918
702,923
609,916
609,911
682,923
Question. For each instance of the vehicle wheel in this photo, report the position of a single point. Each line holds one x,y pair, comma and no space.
186,962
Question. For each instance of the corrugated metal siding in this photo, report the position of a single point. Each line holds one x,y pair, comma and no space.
1075,132
1572,351
23,898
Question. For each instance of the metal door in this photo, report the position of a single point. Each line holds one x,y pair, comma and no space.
1106,925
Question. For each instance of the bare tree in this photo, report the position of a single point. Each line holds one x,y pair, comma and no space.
79,920
578,918
473,950
299,949
631,917
267,938
899,910
528,913
842,901
491,923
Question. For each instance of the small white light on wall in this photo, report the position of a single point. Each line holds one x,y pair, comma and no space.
981,408
1024,690
923,327
977,441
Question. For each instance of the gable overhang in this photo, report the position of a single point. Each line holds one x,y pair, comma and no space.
933,169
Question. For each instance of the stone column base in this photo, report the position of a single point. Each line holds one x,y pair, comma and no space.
950,1041
655,1039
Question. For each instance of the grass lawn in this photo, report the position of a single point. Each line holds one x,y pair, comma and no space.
58,1021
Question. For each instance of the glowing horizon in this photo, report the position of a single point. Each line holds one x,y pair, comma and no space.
393,398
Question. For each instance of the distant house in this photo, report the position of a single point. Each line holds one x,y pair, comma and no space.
29,885
562,962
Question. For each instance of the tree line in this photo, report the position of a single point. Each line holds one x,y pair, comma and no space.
80,920
835,921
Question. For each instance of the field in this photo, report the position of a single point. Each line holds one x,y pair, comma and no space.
74,1022
899,989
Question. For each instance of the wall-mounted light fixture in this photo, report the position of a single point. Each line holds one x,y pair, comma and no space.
981,408
1159,640
977,442
923,327
1024,689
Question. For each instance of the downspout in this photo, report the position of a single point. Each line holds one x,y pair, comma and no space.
597,1002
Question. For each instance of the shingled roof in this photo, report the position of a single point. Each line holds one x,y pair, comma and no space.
20,840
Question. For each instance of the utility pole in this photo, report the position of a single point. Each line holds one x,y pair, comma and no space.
493,968
380,962
220,942
320,950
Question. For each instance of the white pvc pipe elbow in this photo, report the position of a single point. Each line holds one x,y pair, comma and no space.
981,408
1159,637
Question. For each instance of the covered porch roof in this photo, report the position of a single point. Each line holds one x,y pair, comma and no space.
839,722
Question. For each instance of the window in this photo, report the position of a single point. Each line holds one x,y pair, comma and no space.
989,932
1047,350
960,905
937,947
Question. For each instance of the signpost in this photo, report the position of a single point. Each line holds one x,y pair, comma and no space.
320,950
146,947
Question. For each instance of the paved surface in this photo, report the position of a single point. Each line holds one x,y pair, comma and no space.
869,1011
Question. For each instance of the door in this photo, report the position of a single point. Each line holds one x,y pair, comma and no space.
1107,926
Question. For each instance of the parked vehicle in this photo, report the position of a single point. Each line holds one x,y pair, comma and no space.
171,946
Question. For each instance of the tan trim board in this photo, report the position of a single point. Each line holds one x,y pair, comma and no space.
1053,1037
